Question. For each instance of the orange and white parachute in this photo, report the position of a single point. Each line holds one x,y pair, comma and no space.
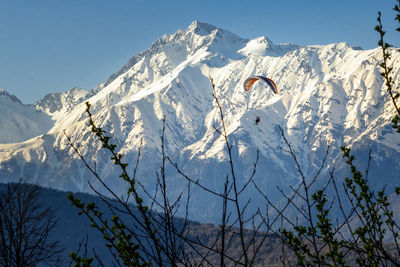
252,79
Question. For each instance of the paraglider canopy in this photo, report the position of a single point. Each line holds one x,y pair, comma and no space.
252,79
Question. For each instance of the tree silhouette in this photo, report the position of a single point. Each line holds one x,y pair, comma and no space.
25,228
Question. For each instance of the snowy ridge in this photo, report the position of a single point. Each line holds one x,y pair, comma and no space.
19,122
61,102
328,94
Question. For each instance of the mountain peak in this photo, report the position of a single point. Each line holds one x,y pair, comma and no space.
258,46
201,28
10,96
53,102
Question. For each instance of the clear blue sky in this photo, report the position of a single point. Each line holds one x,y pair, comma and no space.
53,45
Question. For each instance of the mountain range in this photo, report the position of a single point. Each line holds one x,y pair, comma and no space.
329,96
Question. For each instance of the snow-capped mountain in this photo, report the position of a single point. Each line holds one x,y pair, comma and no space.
328,94
19,122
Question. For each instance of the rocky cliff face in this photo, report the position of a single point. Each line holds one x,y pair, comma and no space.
331,94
